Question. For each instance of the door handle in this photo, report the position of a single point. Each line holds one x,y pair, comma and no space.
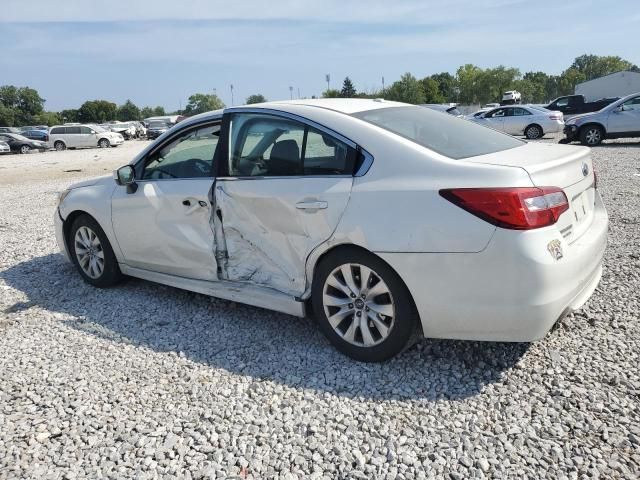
312,205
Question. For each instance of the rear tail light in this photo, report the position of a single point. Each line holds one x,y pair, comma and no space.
555,116
518,208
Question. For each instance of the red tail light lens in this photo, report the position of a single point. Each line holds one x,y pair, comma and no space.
555,116
518,208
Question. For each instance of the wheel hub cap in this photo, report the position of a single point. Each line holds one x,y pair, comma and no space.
358,305
89,252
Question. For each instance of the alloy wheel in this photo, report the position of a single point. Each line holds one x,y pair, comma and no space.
24,149
593,136
358,305
89,252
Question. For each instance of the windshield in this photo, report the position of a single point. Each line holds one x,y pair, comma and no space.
15,136
445,134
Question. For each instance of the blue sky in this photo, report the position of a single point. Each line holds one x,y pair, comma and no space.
158,52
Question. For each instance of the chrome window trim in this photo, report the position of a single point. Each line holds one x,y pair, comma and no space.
281,177
365,165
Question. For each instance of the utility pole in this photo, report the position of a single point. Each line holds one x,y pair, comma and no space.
232,94
328,78
291,92
298,93
383,85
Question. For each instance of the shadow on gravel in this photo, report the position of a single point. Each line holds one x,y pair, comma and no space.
254,342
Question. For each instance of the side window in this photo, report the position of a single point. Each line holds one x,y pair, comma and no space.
73,130
85,130
519,112
563,102
501,112
633,104
271,146
190,155
58,131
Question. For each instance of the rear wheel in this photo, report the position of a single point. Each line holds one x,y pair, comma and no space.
362,306
59,146
103,143
533,132
591,135
92,253
25,149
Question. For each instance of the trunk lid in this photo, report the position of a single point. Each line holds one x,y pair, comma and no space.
564,166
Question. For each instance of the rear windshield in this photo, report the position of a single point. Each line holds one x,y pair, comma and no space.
445,134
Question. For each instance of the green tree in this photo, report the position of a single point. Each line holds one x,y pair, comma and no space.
594,66
468,80
569,79
348,90
97,111
47,118
9,96
202,102
446,85
69,115
7,117
24,103
159,111
331,93
432,92
128,111
257,98
408,89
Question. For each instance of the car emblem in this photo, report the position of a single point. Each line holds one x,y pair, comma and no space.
555,249
585,169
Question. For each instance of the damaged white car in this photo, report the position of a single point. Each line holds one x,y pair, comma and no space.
387,220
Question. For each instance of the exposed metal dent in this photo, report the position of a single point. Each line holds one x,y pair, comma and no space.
251,294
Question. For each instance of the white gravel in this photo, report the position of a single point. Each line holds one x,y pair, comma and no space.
147,381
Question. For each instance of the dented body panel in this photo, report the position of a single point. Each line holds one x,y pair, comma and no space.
268,237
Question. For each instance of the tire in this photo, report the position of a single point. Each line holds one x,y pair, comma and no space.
591,135
59,146
339,309
103,143
24,149
533,132
98,266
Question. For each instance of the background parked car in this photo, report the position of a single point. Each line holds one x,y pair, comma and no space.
10,130
532,122
127,130
63,137
617,120
4,147
576,104
511,97
156,128
41,135
478,113
21,144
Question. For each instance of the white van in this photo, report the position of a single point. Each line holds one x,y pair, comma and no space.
66,136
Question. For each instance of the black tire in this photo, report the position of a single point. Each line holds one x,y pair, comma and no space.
591,135
24,149
405,318
59,146
533,132
111,274
104,143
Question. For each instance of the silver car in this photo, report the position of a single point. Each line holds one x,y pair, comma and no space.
528,120
619,119
4,147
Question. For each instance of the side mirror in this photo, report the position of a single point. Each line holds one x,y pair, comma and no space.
619,108
126,176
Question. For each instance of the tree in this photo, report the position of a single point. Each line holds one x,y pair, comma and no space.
446,85
348,90
331,93
594,66
159,111
47,118
432,91
257,98
70,115
468,79
128,111
97,111
569,79
24,103
408,89
202,102
7,117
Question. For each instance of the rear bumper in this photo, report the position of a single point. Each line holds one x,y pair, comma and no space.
514,290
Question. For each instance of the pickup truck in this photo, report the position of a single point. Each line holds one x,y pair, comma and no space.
575,104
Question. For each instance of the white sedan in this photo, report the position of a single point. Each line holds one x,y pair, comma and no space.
384,219
528,120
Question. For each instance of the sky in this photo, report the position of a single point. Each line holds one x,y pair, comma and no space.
158,52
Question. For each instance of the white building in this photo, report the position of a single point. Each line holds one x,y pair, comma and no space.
616,84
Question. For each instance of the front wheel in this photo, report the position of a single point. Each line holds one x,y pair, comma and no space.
92,253
25,149
362,306
533,132
591,135
103,143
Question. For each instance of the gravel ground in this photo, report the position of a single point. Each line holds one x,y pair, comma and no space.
147,381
